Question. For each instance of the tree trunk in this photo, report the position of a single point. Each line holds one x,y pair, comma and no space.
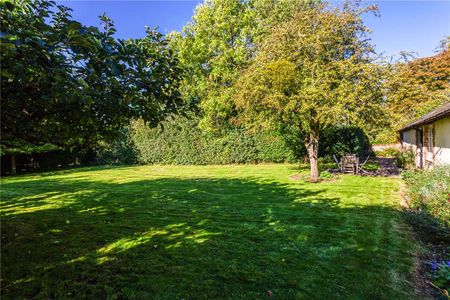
312,146
13,165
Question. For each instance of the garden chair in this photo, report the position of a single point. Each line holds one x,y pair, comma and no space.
337,161
362,165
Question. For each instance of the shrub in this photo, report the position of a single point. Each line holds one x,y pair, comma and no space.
270,150
325,175
440,274
342,140
181,141
405,159
173,143
429,192
388,152
371,166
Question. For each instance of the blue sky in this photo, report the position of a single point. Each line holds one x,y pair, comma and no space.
404,25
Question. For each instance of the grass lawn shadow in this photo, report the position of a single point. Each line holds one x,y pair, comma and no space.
197,238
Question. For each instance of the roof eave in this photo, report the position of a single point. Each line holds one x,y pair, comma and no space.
432,119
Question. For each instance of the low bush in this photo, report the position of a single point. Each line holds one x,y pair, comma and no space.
429,192
388,152
429,214
371,166
325,175
405,159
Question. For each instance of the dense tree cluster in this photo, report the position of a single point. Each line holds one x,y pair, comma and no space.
68,85
302,64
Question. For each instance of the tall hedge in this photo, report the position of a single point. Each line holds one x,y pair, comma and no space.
180,141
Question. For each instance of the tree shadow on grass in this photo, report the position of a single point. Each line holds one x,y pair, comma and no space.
199,238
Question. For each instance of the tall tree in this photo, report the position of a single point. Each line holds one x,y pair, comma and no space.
313,71
69,85
217,45
415,87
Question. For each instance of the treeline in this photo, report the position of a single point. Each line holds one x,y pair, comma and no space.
181,141
243,82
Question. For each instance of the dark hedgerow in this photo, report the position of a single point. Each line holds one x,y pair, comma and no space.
181,142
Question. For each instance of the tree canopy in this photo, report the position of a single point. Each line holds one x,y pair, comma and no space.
312,71
69,85
415,87
217,45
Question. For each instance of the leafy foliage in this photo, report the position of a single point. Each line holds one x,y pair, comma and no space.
70,85
440,274
181,141
388,152
217,45
119,151
342,140
414,88
429,200
405,159
371,166
429,191
325,175
313,71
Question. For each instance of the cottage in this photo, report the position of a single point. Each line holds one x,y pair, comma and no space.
429,138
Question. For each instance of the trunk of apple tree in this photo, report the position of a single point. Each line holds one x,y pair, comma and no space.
13,165
312,146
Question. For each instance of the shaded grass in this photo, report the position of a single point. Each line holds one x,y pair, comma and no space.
201,232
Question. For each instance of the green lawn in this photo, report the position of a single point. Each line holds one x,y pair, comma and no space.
202,232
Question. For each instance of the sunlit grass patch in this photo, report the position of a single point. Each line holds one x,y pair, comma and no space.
202,232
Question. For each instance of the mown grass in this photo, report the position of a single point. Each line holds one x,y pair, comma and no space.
201,232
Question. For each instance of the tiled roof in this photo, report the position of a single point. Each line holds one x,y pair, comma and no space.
439,113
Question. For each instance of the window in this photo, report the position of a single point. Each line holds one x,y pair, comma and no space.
430,142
